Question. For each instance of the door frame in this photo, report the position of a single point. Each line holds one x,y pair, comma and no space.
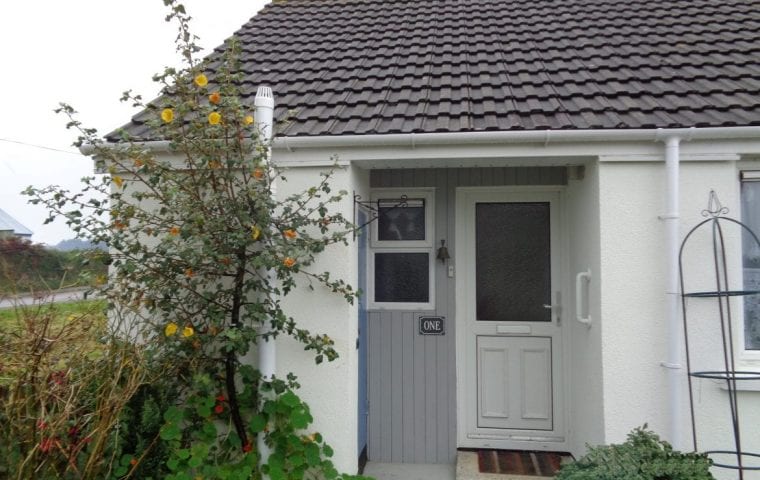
518,439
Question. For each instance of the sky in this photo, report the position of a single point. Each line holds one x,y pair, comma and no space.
85,53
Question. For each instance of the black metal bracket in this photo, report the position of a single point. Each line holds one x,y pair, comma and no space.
372,208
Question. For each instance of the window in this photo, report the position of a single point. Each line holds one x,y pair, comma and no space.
402,256
750,205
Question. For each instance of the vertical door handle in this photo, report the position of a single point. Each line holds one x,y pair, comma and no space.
582,282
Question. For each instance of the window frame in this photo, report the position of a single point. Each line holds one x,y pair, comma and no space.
747,355
403,246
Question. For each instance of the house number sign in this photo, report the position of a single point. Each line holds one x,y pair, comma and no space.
432,326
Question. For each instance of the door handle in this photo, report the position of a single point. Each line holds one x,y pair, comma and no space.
556,308
583,278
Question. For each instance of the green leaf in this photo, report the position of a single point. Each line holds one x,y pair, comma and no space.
290,399
257,424
170,432
299,419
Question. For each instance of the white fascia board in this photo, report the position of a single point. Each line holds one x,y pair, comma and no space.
504,148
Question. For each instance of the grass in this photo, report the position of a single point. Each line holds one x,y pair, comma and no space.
15,318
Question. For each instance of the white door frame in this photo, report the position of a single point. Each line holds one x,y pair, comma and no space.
468,434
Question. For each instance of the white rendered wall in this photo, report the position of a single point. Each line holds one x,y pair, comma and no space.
331,388
633,302
585,402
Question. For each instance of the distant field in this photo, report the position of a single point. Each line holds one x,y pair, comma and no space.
13,319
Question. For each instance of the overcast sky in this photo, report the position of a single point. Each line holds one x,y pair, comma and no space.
86,53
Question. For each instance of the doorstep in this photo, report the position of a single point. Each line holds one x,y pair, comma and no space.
467,469
410,471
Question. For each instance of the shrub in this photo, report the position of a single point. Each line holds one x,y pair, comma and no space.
642,457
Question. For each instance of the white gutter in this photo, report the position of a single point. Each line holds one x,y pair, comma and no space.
673,239
413,140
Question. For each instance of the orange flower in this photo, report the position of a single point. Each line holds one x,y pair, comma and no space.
174,231
214,98
133,462
258,174
224,261
139,163
201,80
248,119
189,273
214,118
119,225
290,233
289,261
167,115
215,164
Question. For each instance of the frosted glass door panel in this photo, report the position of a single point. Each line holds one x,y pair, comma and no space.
513,262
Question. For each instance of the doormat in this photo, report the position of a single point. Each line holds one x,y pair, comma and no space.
520,462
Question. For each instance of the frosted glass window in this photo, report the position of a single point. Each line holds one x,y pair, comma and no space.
750,198
401,222
513,262
402,277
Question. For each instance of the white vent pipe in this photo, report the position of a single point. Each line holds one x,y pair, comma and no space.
263,116
264,120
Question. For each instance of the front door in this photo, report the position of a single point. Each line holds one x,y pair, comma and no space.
510,343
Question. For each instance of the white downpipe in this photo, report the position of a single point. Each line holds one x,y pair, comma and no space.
672,223
264,120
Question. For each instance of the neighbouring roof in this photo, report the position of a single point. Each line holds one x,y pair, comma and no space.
10,224
355,67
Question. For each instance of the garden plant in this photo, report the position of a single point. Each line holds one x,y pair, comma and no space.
202,252
643,456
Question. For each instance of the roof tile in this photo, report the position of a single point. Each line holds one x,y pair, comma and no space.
400,66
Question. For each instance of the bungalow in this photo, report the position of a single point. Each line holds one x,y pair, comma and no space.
9,226
530,169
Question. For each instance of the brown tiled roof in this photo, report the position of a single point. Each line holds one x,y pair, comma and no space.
354,67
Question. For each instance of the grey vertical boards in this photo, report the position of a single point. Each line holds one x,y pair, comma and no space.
412,390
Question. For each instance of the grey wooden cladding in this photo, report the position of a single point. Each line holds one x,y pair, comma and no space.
411,377
467,177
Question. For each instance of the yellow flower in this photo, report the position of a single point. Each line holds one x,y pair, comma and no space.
201,80
170,329
248,119
289,261
214,98
255,232
188,332
167,115
117,180
214,118
290,233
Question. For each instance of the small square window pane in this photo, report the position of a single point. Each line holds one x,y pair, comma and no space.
402,277
397,222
